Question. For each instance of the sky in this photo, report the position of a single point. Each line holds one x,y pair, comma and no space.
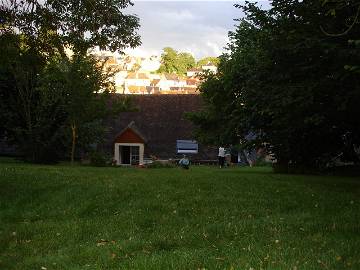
198,27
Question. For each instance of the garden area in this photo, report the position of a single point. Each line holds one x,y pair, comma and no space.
82,217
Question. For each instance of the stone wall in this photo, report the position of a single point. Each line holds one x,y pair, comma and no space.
160,118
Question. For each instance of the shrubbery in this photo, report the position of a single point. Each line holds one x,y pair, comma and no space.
161,164
99,159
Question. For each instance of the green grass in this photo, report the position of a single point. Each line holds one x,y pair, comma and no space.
62,217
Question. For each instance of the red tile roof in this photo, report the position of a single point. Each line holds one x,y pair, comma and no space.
172,77
137,75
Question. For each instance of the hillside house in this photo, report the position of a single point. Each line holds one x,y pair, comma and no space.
209,67
136,83
193,72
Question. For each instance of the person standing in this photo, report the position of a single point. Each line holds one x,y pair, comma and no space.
221,156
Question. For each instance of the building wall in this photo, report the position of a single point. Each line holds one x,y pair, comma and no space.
160,119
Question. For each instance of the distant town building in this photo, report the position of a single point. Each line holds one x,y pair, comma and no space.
209,67
138,75
136,83
194,72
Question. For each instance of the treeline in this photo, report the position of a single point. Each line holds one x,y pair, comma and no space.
53,105
291,79
176,62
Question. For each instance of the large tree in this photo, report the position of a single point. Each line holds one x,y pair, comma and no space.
34,34
284,80
83,92
30,114
79,25
175,62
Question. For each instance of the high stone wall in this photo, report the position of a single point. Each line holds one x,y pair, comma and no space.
160,119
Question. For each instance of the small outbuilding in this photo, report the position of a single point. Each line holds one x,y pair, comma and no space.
129,146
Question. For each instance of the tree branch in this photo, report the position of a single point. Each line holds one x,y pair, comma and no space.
347,30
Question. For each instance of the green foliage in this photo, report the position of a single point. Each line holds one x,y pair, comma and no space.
43,102
174,62
51,25
44,93
99,159
30,115
185,62
159,164
209,59
84,89
346,16
284,80
169,61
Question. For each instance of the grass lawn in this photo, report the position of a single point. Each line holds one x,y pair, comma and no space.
61,217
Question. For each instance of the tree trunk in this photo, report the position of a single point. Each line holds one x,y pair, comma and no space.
73,130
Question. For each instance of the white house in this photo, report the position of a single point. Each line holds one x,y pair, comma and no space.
136,83
129,146
119,79
193,72
209,67
150,65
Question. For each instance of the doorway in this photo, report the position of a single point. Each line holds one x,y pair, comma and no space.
125,154
129,155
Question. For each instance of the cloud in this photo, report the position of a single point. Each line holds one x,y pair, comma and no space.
200,28
174,16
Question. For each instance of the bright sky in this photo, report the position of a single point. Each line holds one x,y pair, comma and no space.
198,27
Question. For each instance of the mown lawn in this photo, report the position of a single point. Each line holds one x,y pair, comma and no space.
61,217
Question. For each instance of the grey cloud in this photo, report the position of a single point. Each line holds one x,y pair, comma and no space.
200,27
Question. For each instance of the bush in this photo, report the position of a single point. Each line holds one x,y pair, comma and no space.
160,164
262,162
99,159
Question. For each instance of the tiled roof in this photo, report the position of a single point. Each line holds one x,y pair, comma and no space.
137,75
172,77
209,64
195,70
137,89
134,128
154,82
192,81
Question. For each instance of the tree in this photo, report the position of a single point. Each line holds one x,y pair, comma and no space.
79,25
347,17
29,115
185,62
285,81
209,59
168,61
174,62
34,34
347,10
85,93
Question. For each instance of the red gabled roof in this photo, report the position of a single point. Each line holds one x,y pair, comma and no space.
130,134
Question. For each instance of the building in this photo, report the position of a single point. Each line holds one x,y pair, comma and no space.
210,67
129,146
136,83
193,72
